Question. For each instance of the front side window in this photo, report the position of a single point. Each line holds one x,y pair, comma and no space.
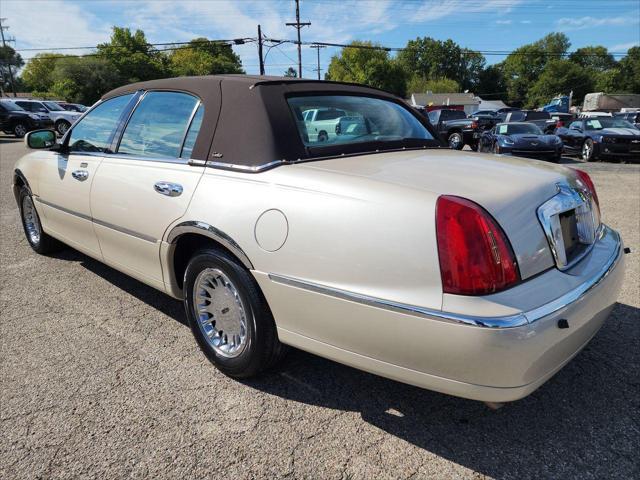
158,125
354,119
94,132
54,107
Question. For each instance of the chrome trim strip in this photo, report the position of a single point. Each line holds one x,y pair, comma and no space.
188,127
510,321
213,233
111,226
247,168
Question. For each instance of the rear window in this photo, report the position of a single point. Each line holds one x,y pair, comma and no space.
355,119
538,115
452,114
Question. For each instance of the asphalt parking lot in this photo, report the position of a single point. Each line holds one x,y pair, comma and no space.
100,378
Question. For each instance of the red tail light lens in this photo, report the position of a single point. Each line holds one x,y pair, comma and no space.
588,183
474,124
559,124
475,255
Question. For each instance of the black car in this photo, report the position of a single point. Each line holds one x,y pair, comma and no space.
15,120
522,139
458,130
601,137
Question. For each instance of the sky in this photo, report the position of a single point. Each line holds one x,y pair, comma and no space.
484,25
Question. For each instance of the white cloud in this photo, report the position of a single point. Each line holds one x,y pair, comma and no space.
591,22
623,47
525,22
437,9
53,24
503,22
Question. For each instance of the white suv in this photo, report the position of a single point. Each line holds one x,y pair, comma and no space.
61,118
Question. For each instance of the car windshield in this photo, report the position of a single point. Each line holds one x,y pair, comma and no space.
361,119
12,107
516,128
606,122
53,106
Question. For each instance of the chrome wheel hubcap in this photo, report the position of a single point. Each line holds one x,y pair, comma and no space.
62,128
586,151
454,141
31,222
222,318
20,130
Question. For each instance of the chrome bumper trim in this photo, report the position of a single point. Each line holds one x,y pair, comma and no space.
509,321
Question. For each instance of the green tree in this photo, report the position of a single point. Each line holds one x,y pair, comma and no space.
38,73
9,58
629,68
203,57
83,80
133,58
491,83
291,72
368,66
595,58
560,76
421,85
524,65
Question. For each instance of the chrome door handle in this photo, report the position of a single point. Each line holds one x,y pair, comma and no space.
169,189
80,175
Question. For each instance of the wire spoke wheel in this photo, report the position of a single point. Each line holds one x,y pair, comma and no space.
222,317
31,222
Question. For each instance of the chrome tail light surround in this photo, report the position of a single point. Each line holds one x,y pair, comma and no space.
587,216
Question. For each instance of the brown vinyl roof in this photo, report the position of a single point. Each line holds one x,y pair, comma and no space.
247,121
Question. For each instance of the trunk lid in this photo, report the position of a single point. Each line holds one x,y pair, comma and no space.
510,189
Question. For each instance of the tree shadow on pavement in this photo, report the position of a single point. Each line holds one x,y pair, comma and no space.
583,423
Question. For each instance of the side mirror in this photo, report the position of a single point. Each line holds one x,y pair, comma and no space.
40,139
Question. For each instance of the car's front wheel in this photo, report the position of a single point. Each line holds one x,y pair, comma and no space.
588,151
229,316
20,130
455,140
62,126
37,238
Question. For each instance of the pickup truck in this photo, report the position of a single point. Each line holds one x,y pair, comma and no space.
324,124
458,130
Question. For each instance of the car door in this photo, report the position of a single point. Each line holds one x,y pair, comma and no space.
573,136
66,178
147,183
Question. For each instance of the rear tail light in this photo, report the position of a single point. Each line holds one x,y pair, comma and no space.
475,255
474,124
587,183
559,124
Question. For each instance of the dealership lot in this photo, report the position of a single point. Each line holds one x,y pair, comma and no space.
100,377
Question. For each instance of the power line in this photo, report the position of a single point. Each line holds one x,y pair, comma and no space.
298,26
318,47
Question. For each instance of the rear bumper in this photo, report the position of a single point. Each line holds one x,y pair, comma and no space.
494,358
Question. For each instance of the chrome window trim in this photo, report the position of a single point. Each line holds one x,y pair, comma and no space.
509,321
246,168
188,127
212,232
111,226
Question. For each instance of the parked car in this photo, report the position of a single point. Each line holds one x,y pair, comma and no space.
601,137
631,117
61,118
522,139
456,129
562,119
325,124
540,118
463,273
14,120
73,107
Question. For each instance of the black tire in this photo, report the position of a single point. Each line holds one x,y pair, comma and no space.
62,126
495,149
43,243
20,130
455,141
475,147
588,151
323,136
262,349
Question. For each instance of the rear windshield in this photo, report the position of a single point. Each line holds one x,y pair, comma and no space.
538,115
452,114
350,119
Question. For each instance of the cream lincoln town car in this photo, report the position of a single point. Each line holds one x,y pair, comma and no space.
478,276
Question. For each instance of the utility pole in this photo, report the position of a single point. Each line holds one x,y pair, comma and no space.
298,26
4,44
260,50
318,47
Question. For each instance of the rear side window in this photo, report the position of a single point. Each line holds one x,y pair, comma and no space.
192,134
158,125
94,132
361,119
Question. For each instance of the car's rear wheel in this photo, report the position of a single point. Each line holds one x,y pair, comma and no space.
588,151
474,147
62,126
323,136
229,316
37,238
20,130
455,140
